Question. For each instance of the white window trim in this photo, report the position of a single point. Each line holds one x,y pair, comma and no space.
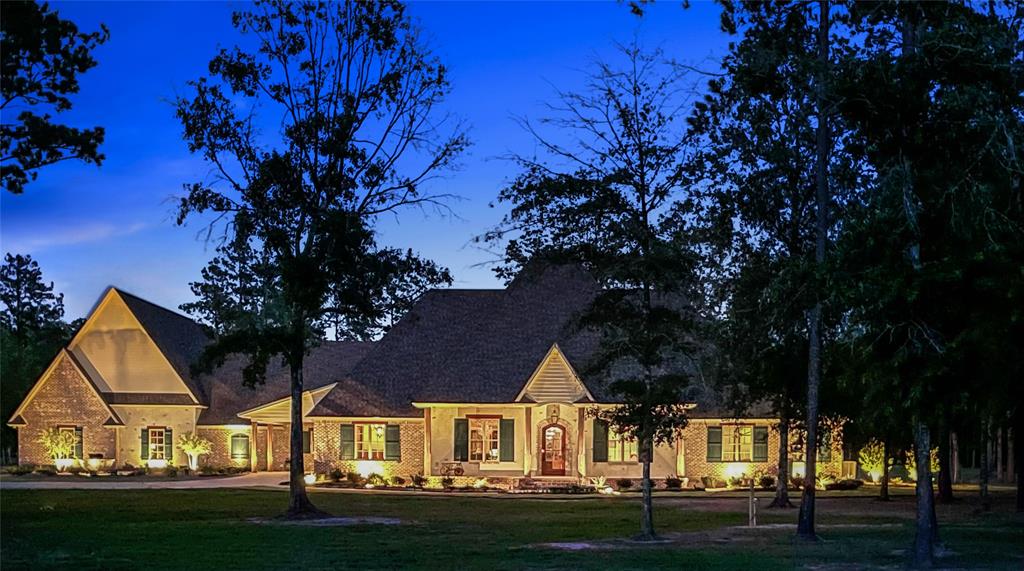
483,424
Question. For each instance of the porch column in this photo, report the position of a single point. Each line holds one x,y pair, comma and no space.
581,458
528,458
428,457
253,464
270,448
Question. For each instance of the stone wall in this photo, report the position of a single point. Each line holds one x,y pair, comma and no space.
65,398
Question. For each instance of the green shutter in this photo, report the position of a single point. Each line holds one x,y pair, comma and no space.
392,442
507,440
169,444
348,442
461,440
600,440
307,441
760,444
145,444
78,443
714,444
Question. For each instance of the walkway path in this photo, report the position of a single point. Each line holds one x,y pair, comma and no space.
257,480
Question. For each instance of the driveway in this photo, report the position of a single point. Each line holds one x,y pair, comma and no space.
257,480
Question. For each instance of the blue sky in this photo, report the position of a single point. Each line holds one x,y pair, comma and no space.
91,227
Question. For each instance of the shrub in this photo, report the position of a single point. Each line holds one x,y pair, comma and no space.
21,469
376,480
447,482
624,483
336,475
207,470
796,483
766,482
355,479
673,483
171,471
419,480
844,485
397,481
46,470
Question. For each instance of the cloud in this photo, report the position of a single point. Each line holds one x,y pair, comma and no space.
47,239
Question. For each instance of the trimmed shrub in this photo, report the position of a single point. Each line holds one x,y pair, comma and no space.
447,482
21,469
624,483
355,479
336,475
766,482
844,485
419,480
673,483
397,481
376,480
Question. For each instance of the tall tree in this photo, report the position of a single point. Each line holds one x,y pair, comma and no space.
603,195
42,55
32,330
360,133
938,114
768,159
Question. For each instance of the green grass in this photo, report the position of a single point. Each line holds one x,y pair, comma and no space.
183,529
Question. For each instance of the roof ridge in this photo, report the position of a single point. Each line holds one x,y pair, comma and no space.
156,305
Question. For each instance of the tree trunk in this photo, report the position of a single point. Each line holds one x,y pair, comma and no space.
983,471
945,468
782,479
883,493
805,521
299,506
1018,456
647,507
924,540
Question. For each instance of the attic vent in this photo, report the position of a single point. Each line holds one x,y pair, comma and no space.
553,381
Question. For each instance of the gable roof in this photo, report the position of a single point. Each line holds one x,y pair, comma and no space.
180,339
18,420
554,381
474,345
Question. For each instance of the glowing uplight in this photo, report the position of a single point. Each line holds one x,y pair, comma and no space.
309,479
156,464
736,470
876,475
480,483
799,470
366,467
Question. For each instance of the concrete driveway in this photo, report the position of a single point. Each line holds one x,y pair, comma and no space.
257,480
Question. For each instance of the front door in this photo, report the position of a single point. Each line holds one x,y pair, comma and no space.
553,451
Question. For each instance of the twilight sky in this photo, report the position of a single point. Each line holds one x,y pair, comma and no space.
91,227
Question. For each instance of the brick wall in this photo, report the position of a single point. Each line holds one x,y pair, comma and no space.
65,398
220,454
696,454
327,450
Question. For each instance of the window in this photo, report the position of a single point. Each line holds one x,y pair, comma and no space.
369,441
156,444
307,441
621,448
239,446
483,439
737,443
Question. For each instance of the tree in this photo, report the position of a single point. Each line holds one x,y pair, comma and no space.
770,159
59,445
360,135
32,330
194,446
610,193
938,117
42,56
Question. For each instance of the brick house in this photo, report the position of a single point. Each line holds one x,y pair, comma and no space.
471,382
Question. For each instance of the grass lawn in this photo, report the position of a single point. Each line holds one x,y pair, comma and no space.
185,529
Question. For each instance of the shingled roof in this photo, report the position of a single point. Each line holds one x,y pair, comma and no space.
472,345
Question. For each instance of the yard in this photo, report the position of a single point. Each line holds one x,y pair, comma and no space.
182,529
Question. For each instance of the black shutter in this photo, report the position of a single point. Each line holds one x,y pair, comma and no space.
461,453
714,444
507,440
144,455
348,442
392,442
600,440
78,443
307,441
760,444
168,445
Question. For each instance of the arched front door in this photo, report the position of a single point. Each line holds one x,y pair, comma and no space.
553,451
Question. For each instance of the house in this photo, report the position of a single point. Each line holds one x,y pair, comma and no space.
470,383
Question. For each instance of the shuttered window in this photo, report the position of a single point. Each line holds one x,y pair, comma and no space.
307,441
461,434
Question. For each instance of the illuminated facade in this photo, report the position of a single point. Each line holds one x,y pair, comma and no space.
473,383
